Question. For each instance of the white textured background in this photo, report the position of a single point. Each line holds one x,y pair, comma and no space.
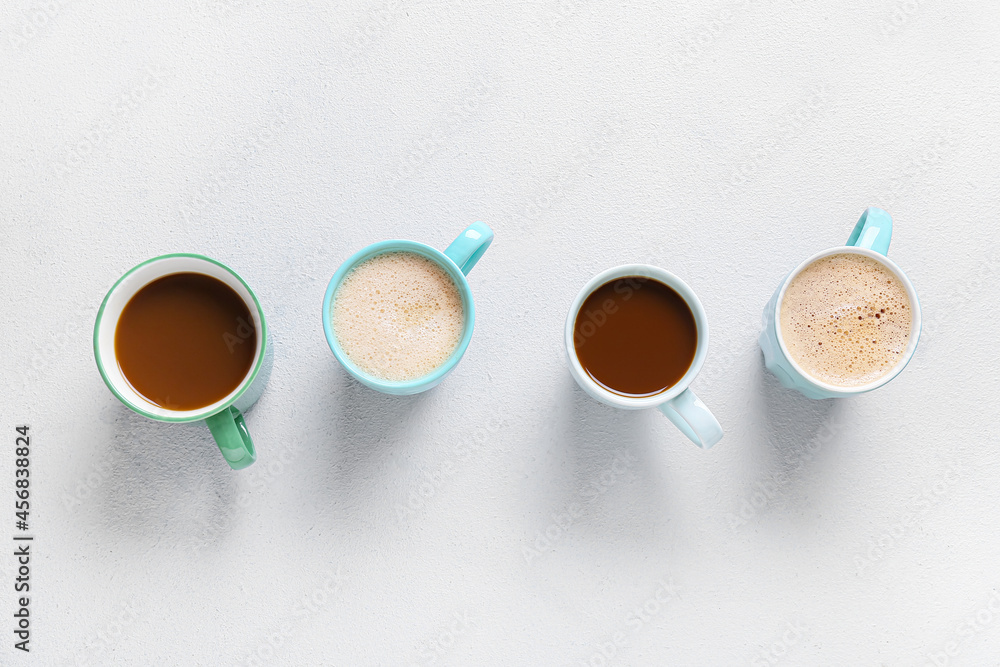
723,140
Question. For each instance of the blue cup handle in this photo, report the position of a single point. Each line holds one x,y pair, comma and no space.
470,246
873,231
693,418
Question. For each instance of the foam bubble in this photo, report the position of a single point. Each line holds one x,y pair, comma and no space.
398,316
846,319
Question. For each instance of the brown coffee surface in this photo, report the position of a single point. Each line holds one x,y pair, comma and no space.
846,319
185,341
635,336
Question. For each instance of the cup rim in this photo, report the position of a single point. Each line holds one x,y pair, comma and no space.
915,324
673,282
380,248
181,416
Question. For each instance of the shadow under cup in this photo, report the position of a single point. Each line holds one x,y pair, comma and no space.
425,382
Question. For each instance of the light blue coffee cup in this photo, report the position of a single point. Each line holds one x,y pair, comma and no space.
457,260
870,238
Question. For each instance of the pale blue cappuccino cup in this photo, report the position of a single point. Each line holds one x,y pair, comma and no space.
870,238
456,260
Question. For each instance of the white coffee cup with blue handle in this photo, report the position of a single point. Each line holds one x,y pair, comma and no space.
678,402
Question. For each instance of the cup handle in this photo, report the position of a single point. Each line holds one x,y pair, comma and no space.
231,435
693,418
470,246
873,231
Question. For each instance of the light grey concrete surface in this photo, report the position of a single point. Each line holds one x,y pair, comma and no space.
503,518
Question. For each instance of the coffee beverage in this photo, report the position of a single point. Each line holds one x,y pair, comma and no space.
846,319
635,336
398,316
185,341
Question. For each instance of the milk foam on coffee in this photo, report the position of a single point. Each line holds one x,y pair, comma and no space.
398,316
846,319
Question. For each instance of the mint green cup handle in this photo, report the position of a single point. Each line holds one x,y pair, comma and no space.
873,231
693,418
231,435
470,245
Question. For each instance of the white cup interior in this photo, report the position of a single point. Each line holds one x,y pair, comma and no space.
671,281
911,344
119,296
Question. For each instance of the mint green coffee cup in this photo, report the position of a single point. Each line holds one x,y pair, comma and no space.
224,417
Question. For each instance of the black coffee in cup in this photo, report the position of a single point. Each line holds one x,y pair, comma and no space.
635,336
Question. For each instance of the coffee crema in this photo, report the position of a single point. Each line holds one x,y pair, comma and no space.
635,336
185,341
398,316
846,319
